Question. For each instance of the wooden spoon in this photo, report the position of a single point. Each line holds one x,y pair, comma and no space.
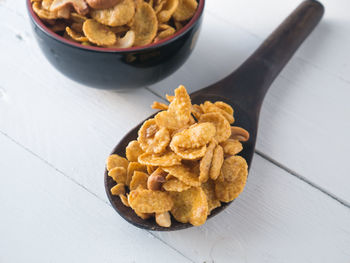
244,89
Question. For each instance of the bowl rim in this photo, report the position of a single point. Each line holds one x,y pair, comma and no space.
38,22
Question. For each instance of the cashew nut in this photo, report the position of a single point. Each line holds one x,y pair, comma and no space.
156,179
163,219
240,134
126,41
102,4
79,5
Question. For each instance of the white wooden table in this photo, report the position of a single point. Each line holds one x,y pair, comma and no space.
55,135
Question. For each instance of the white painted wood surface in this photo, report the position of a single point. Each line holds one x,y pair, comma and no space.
55,135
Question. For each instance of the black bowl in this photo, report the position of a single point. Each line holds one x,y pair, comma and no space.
117,68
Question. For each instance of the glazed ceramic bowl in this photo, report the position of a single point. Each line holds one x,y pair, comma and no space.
117,68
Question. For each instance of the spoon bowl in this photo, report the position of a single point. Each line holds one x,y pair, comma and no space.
244,90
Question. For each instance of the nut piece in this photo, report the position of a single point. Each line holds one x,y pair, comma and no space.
126,41
79,6
238,133
156,179
163,219
101,4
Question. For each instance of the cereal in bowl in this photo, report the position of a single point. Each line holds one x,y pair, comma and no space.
115,23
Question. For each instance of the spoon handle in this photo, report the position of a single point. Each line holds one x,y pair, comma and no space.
253,78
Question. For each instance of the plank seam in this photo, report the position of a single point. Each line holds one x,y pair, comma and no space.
85,188
302,178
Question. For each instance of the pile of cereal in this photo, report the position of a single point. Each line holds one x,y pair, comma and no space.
115,23
184,161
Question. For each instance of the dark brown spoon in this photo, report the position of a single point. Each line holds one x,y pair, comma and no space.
244,89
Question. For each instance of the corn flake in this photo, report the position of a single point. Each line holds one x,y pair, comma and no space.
175,185
146,133
185,10
118,174
98,34
164,159
124,200
179,111
191,153
138,179
133,151
190,206
118,15
115,160
206,161
223,128
195,136
208,107
209,189
184,174
134,166
159,106
75,35
216,163
232,147
234,177
167,10
118,189
145,24
147,201
160,142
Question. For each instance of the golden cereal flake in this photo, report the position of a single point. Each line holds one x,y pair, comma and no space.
232,147
115,160
224,106
160,142
124,200
233,167
118,174
133,151
175,185
146,133
179,112
98,34
134,166
184,174
216,163
209,189
118,189
167,10
191,153
148,201
159,106
223,128
195,136
164,159
208,107
138,179
117,15
233,179
185,10
206,161
75,35
145,24
190,206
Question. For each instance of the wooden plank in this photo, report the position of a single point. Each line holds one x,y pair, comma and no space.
72,127
278,218
327,47
45,217
302,111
